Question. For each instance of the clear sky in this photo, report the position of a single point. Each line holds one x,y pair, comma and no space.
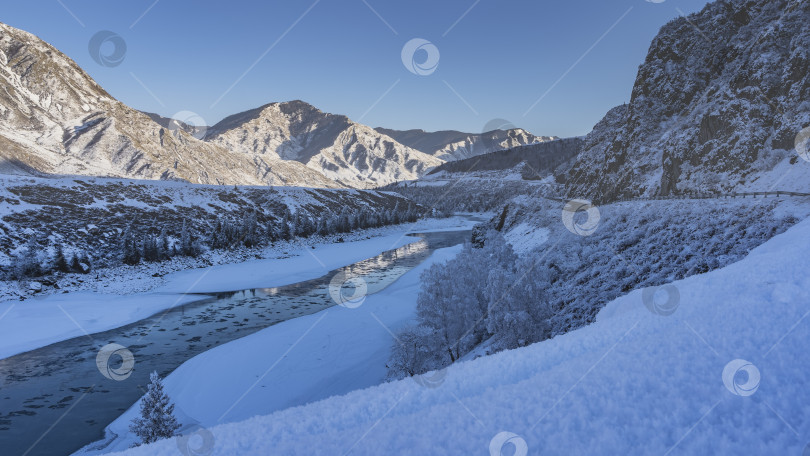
496,58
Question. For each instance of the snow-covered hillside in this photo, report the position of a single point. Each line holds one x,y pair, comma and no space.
90,215
634,382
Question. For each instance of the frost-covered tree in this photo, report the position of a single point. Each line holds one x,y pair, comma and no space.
188,244
156,420
26,262
164,249
284,228
60,263
130,253
482,294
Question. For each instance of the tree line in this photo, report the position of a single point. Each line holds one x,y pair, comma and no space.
155,244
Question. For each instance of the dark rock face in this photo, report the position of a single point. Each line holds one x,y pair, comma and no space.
717,103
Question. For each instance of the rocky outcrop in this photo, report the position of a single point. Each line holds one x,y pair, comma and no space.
716,106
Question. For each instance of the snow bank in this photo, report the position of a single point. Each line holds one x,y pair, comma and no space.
306,359
633,382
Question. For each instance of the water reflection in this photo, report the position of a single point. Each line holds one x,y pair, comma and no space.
54,400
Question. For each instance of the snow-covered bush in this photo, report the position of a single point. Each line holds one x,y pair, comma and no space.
479,294
490,294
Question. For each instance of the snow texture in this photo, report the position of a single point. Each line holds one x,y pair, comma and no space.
634,382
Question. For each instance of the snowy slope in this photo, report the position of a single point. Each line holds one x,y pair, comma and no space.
90,213
634,382
344,350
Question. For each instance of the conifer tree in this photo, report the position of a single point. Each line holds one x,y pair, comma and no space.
156,420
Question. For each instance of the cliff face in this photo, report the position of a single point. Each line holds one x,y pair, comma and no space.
717,105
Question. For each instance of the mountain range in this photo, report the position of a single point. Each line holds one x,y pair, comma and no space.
55,119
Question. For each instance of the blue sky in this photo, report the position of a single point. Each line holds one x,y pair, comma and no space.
497,58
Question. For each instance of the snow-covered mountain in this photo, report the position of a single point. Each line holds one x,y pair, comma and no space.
333,145
717,105
450,145
55,118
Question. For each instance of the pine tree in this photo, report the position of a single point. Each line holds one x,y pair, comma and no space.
129,248
75,264
157,420
284,230
60,263
26,263
188,246
163,245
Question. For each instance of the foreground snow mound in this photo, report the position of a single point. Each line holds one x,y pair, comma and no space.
637,381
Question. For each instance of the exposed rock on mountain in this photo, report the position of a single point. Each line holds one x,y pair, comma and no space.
716,106
452,145
340,149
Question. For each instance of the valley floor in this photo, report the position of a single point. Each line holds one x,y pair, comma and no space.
126,294
293,363
724,374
